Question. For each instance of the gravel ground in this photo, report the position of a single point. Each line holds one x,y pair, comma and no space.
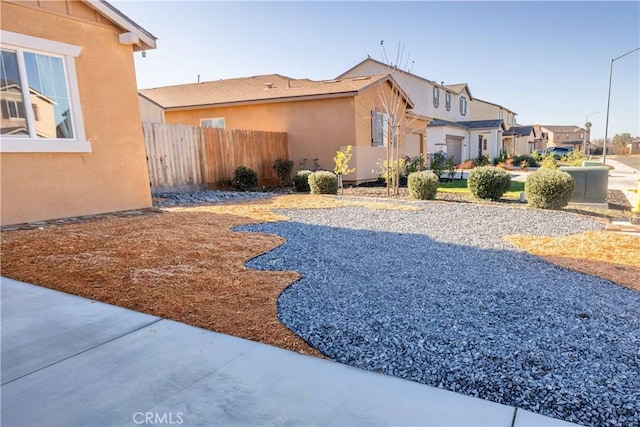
201,197
436,296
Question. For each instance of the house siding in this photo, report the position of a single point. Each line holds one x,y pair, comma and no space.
113,177
315,128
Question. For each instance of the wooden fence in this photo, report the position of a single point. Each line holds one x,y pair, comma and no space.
180,156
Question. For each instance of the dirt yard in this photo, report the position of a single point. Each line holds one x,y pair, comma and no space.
187,265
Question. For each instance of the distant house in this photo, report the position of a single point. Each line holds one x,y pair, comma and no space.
519,140
458,123
563,136
320,117
71,142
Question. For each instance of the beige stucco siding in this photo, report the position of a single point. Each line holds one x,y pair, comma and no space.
315,128
150,112
39,186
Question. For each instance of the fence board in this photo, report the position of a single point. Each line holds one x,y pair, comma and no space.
179,155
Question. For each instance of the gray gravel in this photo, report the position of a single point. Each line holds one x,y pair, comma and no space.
202,197
436,296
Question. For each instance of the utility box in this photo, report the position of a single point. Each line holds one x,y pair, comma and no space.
591,184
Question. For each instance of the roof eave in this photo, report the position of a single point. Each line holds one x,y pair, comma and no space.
147,40
259,101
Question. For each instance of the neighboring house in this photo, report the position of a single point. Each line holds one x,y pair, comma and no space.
563,136
458,124
71,142
519,140
320,117
150,112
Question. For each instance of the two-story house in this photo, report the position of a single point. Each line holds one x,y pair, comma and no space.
457,123
563,136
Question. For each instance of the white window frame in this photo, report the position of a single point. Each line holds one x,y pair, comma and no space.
213,120
78,144
463,106
447,100
436,97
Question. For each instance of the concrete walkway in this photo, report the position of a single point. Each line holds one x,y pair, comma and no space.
70,361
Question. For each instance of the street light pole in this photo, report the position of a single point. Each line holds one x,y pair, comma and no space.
606,126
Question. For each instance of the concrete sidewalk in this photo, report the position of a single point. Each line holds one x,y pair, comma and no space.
70,361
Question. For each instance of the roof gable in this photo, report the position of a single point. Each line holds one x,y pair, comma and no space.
391,69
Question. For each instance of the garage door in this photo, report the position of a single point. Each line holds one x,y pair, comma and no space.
454,148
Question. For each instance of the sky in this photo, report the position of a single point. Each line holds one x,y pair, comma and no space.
547,61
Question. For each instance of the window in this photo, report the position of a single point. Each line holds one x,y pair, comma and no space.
447,101
484,144
500,114
379,129
436,97
463,105
39,95
217,122
581,135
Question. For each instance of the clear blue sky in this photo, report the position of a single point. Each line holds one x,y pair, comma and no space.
547,61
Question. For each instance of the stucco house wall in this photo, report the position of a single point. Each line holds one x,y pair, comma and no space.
316,128
112,176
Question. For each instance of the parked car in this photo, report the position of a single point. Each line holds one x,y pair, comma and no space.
558,152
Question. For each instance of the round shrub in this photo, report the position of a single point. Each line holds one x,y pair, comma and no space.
245,178
487,182
323,182
532,162
423,185
549,189
301,181
549,162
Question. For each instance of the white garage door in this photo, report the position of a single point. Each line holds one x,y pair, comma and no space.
454,148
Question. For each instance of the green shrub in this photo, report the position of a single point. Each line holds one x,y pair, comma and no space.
502,158
439,162
481,160
532,161
283,168
549,189
549,162
245,178
487,182
423,185
415,164
575,158
301,181
323,182
398,165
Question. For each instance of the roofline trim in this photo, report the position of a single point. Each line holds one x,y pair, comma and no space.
147,40
262,101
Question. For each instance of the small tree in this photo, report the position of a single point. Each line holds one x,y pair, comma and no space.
283,168
341,160
621,139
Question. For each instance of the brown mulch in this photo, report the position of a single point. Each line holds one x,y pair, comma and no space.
612,256
186,264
